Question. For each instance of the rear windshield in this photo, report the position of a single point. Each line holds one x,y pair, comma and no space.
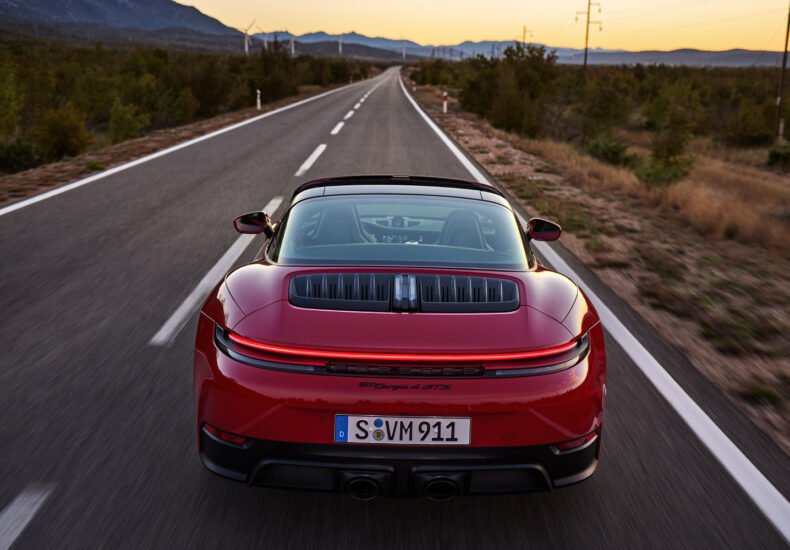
407,230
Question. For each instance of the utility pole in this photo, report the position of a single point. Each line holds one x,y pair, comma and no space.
590,4
780,123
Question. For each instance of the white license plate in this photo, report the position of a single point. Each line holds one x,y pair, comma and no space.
402,430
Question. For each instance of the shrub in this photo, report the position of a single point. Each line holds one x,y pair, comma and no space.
10,99
507,109
610,150
655,172
63,133
16,156
779,156
751,125
606,103
126,122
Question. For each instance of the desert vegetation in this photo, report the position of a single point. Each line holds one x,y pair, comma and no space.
59,100
669,135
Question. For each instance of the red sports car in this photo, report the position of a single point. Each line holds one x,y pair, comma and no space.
397,336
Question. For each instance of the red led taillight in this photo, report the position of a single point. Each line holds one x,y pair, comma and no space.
403,357
225,436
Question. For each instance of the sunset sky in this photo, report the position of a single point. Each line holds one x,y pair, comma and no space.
627,24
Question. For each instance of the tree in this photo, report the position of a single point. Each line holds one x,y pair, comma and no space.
63,133
606,103
10,100
507,110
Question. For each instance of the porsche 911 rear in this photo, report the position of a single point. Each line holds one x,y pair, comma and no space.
400,340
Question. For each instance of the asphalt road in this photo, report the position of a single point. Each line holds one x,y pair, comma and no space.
97,443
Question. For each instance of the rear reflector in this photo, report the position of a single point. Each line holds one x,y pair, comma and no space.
404,357
575,443
224,436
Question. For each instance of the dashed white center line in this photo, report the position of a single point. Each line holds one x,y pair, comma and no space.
337,128
358,105
311,159
348,115
15,517
165,335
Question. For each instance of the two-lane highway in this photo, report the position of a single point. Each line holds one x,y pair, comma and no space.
98,291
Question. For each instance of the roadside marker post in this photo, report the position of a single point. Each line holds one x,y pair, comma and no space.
258,99
444,102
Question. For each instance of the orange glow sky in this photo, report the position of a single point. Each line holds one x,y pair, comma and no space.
627,24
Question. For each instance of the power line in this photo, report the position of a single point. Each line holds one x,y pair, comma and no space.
705,23
619,16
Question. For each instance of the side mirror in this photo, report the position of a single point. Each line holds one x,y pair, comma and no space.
254,222
543,230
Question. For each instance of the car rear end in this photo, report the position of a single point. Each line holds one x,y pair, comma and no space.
384,382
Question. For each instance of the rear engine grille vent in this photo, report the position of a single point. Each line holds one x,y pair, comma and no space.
403,292
458,293
346,291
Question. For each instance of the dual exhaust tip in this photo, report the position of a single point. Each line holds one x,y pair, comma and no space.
366,488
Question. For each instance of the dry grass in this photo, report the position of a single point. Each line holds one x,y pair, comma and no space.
583,169
725,216
718,198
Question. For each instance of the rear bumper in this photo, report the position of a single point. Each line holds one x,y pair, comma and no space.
397,471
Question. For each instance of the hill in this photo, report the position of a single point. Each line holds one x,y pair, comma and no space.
136,14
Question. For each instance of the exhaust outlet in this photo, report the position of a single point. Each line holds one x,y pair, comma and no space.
441,489
363,488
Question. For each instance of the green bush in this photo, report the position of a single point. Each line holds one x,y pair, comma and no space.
610,150
751,126
63,133
779,156
126,122
656,173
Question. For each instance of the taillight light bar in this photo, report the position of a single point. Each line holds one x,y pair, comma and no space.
404,357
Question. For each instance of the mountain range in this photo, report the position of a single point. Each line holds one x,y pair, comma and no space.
133,14
168,23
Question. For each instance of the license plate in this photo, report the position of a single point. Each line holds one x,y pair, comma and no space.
402,430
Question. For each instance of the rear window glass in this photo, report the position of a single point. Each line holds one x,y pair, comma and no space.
407,230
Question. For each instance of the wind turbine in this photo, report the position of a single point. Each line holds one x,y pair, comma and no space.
247,38
265,41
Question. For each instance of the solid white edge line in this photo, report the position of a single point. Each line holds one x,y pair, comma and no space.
15,517
764,495
348,115
170,329
337,128
120,168
310,160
